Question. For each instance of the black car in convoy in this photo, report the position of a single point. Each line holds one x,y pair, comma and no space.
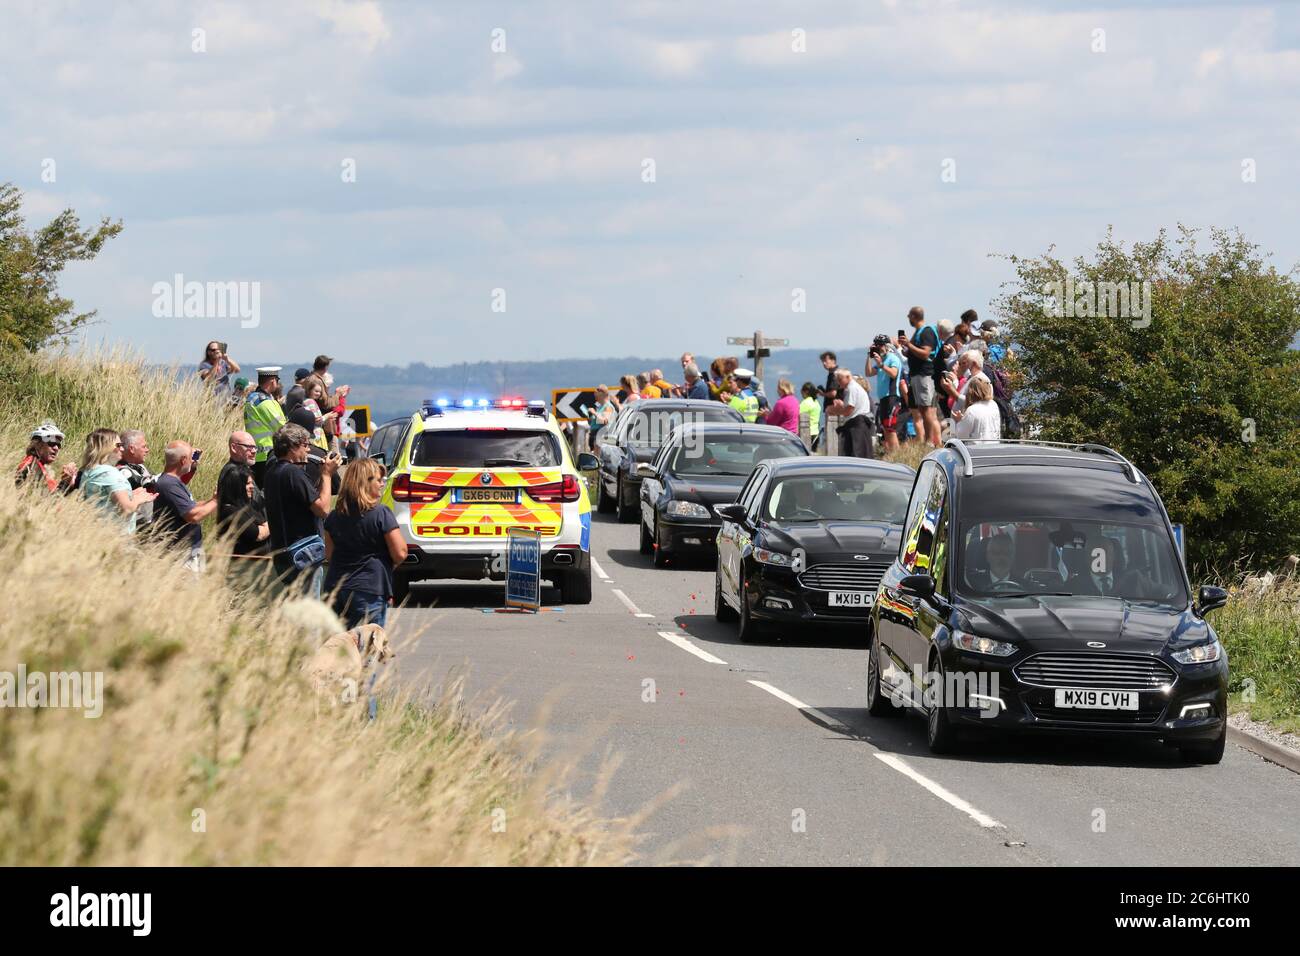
807,541
635,436
700,467
1039,587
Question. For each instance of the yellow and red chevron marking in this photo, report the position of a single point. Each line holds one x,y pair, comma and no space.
446,519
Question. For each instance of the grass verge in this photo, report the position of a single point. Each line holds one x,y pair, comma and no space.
210,748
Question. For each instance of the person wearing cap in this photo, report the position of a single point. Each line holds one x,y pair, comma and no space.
884,362
989,332
293,398
42,449
744,400
263,417
239,392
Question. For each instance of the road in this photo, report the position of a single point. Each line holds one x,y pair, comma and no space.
764,755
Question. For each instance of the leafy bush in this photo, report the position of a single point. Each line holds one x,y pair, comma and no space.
1200,394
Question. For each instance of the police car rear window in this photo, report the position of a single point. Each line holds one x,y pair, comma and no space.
485,448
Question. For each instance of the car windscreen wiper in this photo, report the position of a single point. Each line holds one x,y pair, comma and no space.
504,462
1020,594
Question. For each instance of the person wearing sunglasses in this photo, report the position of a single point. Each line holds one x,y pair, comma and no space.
238,511
217,367
362,545
102,483
37,464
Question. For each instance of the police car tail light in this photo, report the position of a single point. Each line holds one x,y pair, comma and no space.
567,489
404,489
514,403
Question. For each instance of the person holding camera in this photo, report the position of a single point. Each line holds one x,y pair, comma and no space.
176,515
295,507
217,367
135,449
884,362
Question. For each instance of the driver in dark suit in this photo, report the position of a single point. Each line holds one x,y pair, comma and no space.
999,558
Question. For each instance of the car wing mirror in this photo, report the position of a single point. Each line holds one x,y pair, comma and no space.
380,457
917,585
645,470
1210,597
588,462
731,512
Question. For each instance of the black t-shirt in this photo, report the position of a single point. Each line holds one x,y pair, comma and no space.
918,366
832,388
235,508
360,560
171,506
289,496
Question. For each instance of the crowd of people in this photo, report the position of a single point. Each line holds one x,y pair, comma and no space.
945,378
279,500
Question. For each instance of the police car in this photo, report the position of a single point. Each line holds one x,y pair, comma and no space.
461,474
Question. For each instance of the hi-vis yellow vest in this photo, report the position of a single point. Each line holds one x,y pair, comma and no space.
746,403
263,417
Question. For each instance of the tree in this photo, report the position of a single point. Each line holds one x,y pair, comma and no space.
1194,381
32,313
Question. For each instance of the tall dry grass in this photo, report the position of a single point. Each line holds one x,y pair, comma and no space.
1261,631
211,749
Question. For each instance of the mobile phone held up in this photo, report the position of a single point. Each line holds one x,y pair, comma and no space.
194,458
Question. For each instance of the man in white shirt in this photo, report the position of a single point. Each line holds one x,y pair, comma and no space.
854,404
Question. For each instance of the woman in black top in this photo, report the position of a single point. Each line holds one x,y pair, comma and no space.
240,509
362,545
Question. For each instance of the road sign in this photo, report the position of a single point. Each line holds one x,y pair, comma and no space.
758,348
524,569
359,416
572,404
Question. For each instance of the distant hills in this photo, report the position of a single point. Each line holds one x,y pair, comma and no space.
394,391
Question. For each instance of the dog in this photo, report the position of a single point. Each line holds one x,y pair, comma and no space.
340,663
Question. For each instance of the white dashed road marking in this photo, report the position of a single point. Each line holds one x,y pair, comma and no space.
627,603
947,796
681,641
600,572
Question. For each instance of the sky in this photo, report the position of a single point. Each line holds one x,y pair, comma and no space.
449,182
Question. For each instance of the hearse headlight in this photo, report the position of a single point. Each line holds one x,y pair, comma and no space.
780,559
1199,653
686,509
982,645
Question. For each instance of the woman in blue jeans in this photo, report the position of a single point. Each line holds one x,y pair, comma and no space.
362,546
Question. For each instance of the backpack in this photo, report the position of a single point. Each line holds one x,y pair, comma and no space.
1010,420
1000,381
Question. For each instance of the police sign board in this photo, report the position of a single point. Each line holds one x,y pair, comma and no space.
572,404
524,569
